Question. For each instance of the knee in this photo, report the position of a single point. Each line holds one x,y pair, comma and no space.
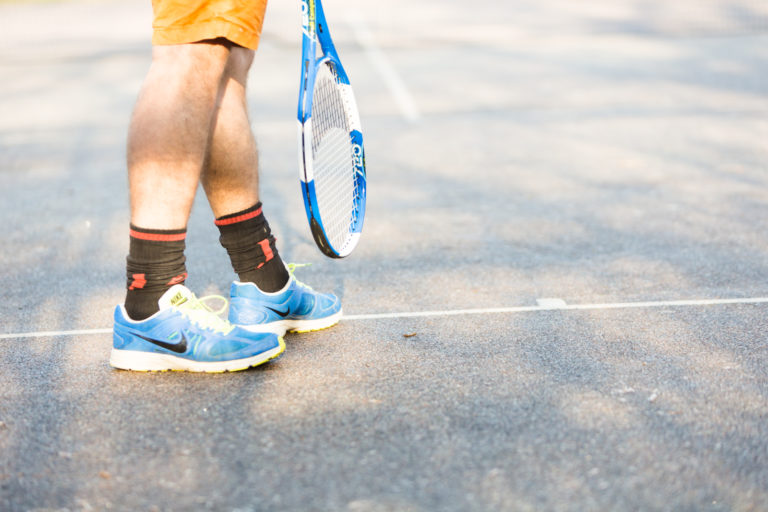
240,60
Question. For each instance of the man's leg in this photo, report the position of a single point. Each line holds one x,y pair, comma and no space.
231,173
167,143
231,182
230,179
170,130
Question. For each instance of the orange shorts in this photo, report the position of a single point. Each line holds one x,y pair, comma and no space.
189,21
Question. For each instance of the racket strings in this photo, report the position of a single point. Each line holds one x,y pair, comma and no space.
333,158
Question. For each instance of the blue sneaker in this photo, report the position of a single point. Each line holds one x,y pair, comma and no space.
186,335
295,308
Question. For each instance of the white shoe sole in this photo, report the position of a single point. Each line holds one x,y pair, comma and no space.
149,362
283,326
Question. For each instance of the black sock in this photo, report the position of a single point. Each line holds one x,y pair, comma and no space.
251,247
155,263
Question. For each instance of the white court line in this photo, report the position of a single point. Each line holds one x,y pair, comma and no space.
553,305
50,334
390,75
563,306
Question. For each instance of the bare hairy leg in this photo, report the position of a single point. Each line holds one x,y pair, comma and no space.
170,131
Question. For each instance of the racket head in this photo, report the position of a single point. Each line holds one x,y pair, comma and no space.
333,163
331,152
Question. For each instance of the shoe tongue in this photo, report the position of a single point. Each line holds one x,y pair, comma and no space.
175,296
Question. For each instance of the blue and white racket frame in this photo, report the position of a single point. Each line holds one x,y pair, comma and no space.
315,31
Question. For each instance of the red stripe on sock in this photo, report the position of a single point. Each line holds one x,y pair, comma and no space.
239,218
158,237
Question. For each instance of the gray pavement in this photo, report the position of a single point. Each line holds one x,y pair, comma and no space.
604,154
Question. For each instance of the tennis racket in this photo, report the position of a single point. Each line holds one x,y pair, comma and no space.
331,156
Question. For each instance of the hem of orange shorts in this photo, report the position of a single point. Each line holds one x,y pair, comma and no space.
202,31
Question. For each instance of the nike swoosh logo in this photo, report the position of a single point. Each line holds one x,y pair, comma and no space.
283,314
179,347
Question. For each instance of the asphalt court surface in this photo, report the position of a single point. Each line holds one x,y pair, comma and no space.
559,300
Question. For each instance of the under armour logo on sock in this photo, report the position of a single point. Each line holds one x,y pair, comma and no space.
139,281
267,250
